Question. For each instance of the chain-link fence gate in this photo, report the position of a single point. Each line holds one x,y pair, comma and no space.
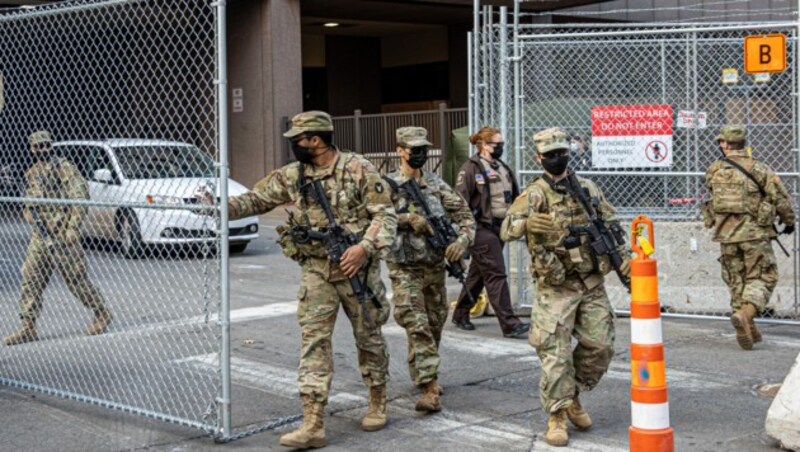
526,78
112,280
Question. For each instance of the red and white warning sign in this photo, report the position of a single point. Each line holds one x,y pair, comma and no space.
632,136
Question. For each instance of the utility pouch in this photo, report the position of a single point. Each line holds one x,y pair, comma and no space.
765,215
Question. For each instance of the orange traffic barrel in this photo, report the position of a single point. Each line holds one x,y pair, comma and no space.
650,430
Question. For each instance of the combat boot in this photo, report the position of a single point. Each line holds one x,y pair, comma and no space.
430,400
556,434
754,331
578,415
101,321
25,333
312,433
741,321
376,413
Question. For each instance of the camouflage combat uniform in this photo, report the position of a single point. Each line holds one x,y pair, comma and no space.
361,203
59,179
571,296
742,220
417,272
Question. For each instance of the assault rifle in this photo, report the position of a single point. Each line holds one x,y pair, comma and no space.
337,240
605,239
443,233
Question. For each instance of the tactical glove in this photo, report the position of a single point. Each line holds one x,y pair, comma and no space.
455,251
540,223
625,267
788,229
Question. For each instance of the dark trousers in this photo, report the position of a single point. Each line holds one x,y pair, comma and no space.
487,268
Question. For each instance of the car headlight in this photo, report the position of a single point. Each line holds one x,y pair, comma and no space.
163,199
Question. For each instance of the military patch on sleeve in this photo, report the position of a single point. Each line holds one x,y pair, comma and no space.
378,187
460,178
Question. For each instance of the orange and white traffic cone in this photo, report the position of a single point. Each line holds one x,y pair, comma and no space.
650,430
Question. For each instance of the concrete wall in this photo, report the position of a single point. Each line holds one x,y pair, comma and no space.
264,57
689,281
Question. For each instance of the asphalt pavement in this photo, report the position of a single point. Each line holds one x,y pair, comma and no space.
165,326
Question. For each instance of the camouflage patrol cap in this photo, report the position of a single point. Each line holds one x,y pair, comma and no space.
40,136
310,121
550,140
733,134
412,137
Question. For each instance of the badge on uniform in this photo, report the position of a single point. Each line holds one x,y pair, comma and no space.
479,179
378,187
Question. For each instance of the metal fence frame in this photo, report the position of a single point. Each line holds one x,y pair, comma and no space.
373,135
210,52
497,97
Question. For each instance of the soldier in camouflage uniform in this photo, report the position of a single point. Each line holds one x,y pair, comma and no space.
742,211
56,242
417,269
571,296
362,204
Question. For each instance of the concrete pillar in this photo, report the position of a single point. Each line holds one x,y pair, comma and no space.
265,75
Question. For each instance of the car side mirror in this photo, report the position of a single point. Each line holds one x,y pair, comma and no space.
104,175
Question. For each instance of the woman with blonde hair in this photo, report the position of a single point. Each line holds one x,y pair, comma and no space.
489,187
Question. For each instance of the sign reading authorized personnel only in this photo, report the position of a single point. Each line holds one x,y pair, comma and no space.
765,53
632,136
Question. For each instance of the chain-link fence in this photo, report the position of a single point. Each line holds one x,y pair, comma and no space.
110,275
599,83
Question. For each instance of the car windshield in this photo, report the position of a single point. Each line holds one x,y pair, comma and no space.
164,162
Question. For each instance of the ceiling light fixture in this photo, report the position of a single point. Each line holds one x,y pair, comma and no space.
330,24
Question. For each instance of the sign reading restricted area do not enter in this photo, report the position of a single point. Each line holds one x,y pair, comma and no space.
765,53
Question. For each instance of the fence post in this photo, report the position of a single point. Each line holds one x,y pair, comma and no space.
224,284
357,131
443,130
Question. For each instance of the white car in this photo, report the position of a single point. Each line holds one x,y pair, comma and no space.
161,173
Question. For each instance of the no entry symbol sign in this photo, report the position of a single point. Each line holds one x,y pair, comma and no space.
656,151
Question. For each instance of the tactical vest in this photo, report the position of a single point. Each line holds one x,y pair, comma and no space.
735,193
500,188
410,248
347,207
567,211
46,180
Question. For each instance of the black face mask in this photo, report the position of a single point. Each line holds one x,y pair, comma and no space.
556,165
302,153
418,157
497,150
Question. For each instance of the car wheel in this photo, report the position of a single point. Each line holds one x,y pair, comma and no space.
130,236
237,247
